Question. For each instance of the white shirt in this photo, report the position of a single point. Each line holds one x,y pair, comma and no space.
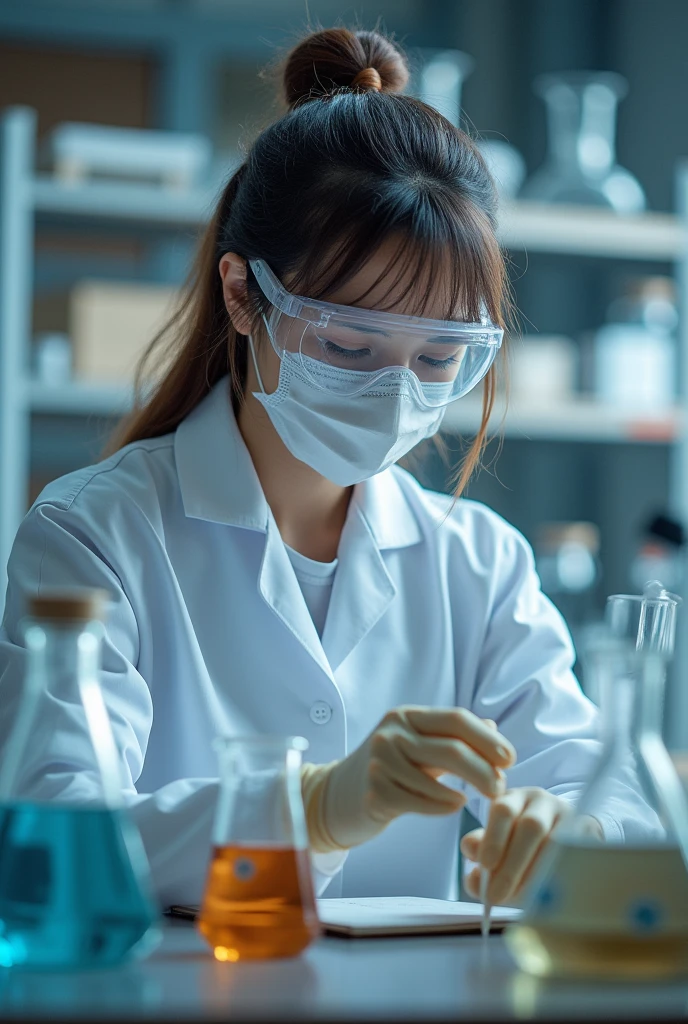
208,633
316,580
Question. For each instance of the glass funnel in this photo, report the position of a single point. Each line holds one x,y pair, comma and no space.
580,166
258,899
617,905
74,881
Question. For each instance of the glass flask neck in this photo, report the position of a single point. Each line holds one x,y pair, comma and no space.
581,119
632,692
260,792
64,660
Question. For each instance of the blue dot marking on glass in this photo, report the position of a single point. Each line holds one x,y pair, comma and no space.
244,869
547,897
646,915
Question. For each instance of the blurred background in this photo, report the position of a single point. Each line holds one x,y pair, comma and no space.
580,109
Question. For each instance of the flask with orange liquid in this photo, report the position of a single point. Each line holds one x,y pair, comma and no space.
618,908
258,899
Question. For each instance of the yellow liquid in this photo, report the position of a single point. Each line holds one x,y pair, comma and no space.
258,903
609,912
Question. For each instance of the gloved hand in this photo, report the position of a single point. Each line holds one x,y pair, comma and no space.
519,828
395,771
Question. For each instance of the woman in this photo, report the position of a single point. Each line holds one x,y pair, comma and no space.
271,571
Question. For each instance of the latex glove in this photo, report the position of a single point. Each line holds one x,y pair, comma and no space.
395,771
518,830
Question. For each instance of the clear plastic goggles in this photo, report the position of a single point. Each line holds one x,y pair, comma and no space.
349,350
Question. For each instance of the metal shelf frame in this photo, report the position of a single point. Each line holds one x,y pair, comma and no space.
27,198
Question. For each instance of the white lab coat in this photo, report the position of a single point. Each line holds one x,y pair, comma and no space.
208,633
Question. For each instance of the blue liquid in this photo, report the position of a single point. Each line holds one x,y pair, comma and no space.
73,887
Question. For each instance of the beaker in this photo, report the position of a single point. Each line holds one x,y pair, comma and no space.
74,882
618,906
258,900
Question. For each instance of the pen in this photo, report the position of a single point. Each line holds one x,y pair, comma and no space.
484,882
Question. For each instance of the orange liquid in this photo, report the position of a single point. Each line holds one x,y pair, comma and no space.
258,902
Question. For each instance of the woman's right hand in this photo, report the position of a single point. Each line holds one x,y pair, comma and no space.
395,771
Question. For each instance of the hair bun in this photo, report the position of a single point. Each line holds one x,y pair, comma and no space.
337,58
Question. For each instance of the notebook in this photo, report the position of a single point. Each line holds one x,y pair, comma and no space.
395,915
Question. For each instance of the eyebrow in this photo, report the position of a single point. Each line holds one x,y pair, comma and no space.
437,339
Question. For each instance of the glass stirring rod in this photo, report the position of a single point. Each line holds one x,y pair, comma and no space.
487,909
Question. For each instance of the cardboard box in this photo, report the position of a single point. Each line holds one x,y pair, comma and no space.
110,325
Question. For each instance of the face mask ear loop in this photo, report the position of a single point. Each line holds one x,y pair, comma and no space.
255,364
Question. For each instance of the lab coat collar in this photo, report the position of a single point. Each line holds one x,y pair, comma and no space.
217,478
219,483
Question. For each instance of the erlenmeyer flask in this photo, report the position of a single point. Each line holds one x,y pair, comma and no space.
619,908
258,899
74,883
581,162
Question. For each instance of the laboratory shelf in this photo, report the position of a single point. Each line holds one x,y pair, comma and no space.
78,399
102,200
588,231
535,227
579,419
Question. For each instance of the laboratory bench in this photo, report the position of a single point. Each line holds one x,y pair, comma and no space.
439,978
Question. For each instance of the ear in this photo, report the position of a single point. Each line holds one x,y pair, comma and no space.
233,273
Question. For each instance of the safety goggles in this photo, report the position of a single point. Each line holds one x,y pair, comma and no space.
349,350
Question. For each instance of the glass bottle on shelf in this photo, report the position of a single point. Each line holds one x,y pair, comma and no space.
580,166
619,907
74,883
258,899
635,352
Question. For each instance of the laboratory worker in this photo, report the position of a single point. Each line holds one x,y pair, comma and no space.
273,571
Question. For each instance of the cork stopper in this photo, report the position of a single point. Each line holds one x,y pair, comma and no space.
69,605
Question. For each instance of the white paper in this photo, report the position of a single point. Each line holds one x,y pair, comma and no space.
405,912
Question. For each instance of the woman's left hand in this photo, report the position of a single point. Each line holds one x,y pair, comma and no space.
519,827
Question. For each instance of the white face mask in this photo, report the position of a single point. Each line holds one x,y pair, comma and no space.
347,438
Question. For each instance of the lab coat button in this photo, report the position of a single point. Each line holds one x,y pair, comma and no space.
321,713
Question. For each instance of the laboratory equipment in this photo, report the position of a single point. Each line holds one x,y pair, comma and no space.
660,553
635,356
52,358
580,166
438,80
259,899
567,561
618,906
505,164
544,369
74,885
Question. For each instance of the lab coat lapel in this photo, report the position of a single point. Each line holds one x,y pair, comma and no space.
280,589
362,591
379,518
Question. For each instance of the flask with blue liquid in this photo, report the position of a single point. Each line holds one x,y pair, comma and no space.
74,882
616,905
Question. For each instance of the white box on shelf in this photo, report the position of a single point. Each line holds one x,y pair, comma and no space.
177,159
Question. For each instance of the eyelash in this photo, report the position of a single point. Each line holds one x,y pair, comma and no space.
348,353
357,353
439,364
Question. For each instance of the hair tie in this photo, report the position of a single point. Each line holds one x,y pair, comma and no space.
367,78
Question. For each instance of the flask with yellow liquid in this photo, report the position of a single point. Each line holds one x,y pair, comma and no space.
618,907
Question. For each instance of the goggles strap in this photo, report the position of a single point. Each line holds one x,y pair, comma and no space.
255,362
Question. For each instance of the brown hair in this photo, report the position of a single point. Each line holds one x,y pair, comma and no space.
351,164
